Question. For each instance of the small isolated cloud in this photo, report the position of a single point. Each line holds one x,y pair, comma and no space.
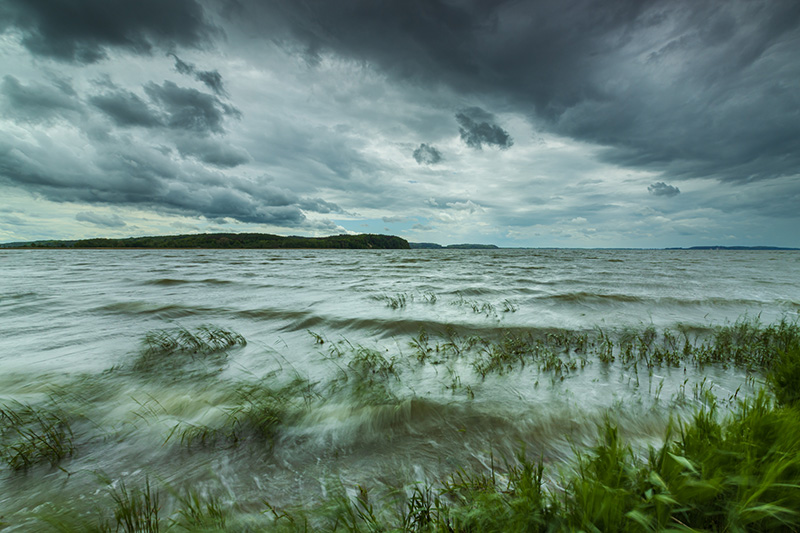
427,155
422,227
477,128
105,221
394,219
662,189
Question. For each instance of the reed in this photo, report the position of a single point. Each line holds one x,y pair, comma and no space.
197,512
136,510
31,434
259,411
173,349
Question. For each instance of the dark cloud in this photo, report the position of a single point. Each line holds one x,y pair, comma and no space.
82,31
182,67
318,205
36,102
212,151
476,128
190,114
126,109
427,155
643,79
190,109
122,173
211,78
662,189
106,221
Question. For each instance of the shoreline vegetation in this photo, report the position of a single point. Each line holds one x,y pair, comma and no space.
733,465
230,241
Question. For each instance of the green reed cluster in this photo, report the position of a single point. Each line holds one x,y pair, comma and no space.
172,349
746,344
257,412
33,434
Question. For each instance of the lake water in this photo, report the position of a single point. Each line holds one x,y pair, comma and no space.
334,338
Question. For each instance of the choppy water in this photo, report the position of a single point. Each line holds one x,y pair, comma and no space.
72,323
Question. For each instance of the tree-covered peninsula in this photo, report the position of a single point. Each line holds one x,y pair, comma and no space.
232,240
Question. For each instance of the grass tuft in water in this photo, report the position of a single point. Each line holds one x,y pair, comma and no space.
30,435
197,512
172,349
136,510
260,410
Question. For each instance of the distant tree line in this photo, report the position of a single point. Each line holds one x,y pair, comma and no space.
235,240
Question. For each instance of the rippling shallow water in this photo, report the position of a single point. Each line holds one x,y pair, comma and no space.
73,325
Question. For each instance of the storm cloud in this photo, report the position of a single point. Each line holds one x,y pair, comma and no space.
125,108
639,78
84,31
476,128
427,155
662,189
106,221
544,123
211,78
36,102
190,109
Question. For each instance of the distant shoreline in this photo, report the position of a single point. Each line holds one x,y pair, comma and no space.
225,241
266,241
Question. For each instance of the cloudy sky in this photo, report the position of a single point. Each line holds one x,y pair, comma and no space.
520,123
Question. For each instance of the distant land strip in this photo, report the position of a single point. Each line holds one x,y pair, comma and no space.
267,241
228,240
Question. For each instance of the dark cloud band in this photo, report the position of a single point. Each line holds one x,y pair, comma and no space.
639,78
83,31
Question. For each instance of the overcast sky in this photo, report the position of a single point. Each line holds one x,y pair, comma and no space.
518,123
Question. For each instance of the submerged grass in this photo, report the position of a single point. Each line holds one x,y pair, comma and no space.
31,434
713,472
172,349
259,410
739,473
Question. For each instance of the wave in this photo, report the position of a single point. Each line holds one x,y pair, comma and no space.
163,311
27,295
167,282
589,297
417,421
583,297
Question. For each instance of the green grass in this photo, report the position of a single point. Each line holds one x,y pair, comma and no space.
31,434
136,510
173,349
258,412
